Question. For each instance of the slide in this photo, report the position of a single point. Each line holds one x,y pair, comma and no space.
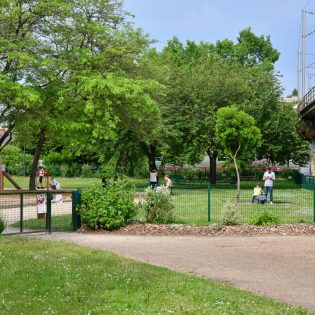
11,180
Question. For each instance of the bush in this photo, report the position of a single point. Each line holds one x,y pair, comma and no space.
188,174
267,219
13,157
2,225
230,214
285,173
87,171
158,205
108,208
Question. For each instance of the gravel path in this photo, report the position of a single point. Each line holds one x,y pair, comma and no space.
279,267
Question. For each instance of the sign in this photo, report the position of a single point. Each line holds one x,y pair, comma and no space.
41,204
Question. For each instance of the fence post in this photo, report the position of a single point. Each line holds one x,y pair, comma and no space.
48,214
76,219
21,212
209,209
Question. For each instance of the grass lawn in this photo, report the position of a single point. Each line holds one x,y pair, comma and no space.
58,223
65,183
45,277
75,182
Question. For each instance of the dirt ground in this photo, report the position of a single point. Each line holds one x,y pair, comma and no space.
279,267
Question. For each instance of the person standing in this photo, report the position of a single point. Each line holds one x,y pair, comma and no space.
153,178
41,174
269,177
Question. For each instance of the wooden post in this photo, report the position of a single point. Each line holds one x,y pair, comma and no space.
2,170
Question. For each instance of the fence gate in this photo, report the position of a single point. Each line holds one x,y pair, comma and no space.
39,211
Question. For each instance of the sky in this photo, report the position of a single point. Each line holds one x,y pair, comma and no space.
212,20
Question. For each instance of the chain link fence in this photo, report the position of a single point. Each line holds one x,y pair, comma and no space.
39,211
201,203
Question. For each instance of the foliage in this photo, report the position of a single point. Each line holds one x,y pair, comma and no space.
285,173
108,208
77,85
282,138
2,225
239,137
201,78
13,157
230,214
266,219
158,205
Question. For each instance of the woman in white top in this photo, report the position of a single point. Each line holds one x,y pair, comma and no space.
153,178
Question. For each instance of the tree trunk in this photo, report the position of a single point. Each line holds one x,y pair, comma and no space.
150,152
212,168
238,194
38,151
123,161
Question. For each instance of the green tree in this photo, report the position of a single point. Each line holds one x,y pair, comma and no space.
238,135
283,139
205,77
76,61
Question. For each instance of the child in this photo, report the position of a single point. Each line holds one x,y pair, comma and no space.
258,194
168,183
54,184
41,174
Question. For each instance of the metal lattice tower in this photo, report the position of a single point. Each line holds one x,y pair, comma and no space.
305,65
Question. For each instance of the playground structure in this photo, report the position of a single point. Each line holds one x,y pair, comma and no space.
5,176
40,198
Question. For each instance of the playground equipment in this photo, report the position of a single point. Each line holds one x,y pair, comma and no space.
40,199
4,175
45,179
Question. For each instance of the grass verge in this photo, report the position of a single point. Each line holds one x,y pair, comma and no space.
45,277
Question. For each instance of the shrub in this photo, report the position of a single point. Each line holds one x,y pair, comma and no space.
188,174
108,208
285,173
2,225
230,214
14,158
267,219
158,205
87,171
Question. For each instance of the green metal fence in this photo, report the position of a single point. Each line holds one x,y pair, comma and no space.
201,203
292,203
39,211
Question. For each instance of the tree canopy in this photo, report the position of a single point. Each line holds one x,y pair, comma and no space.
69,72
238,136
77,78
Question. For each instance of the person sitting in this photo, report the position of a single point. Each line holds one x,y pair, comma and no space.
258,194
54,184
168,183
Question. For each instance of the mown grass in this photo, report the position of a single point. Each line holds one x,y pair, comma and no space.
45,277
65,183
75,182
58,223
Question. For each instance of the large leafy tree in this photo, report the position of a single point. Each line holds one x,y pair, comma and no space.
203,78
75,61
238,135
283,139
